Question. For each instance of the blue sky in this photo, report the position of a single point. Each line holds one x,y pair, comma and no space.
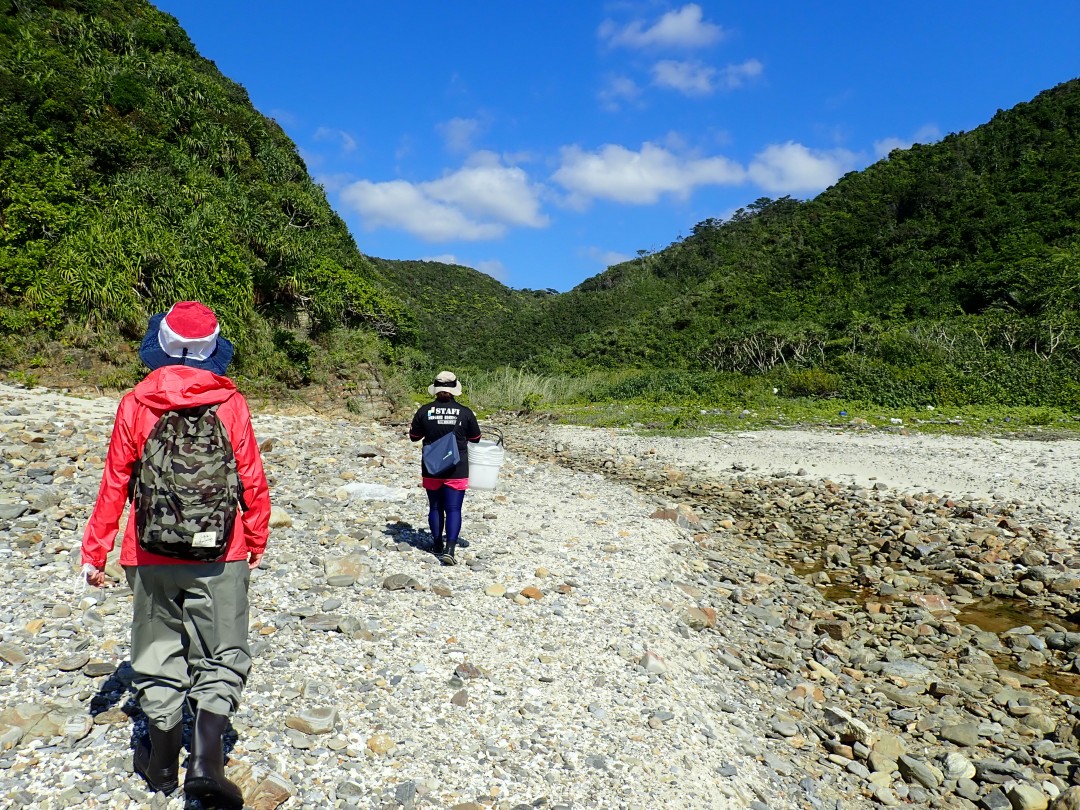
541,141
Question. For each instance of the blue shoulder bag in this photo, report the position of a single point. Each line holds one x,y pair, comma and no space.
442,454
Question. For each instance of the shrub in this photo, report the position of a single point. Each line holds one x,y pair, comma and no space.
660,386
811,382
296,351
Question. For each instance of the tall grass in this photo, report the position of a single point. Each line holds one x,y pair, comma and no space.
511,389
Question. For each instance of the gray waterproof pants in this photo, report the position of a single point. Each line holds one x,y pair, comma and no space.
189,637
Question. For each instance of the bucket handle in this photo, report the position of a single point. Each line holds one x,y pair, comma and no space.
485,429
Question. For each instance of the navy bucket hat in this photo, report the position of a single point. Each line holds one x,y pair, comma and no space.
187,335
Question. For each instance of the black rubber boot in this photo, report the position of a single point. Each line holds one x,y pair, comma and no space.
206,767
438,547
447,557
159,762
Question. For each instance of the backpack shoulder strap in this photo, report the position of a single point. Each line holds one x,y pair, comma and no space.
136,468
197,411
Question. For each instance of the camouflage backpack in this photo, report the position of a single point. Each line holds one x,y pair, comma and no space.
185,490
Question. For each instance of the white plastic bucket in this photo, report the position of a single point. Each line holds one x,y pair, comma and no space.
485,459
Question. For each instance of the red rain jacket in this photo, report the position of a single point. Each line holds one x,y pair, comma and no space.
171,388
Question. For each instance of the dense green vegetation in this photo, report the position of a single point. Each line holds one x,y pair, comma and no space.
946,274
133,174
459,306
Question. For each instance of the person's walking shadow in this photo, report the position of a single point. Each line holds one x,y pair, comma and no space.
401,532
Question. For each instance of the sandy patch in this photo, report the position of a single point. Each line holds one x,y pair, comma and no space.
1041,474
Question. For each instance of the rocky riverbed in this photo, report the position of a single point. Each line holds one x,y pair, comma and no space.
634,625
948,634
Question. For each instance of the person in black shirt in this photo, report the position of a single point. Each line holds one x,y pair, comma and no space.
445,491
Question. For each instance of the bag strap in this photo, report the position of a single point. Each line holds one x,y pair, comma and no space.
457,421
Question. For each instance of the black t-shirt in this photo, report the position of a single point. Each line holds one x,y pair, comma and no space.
435,420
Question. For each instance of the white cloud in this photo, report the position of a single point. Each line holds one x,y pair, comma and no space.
693,78
479,201
928,133
735,76
347,141
616,173
404,206
684,28
617,91
688,78
673,141
520,156
459,133
791,167
486,188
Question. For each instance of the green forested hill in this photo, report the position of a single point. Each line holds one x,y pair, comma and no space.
950,270
461,310
984,223
133,174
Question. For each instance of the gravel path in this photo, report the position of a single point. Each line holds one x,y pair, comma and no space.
550,670
599,647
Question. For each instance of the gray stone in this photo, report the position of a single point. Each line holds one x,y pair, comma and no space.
11,654
848,727
322,621
997,772
785,728
908,670
1069,800
1027,797
74,662
11,511
316,720
996,800
350,790
398,582
886,796
309,506
880,763
962,733
915,770
955,766
405,794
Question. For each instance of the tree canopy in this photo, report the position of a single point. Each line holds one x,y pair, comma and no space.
133,174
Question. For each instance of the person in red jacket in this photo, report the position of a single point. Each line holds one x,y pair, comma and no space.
190,619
